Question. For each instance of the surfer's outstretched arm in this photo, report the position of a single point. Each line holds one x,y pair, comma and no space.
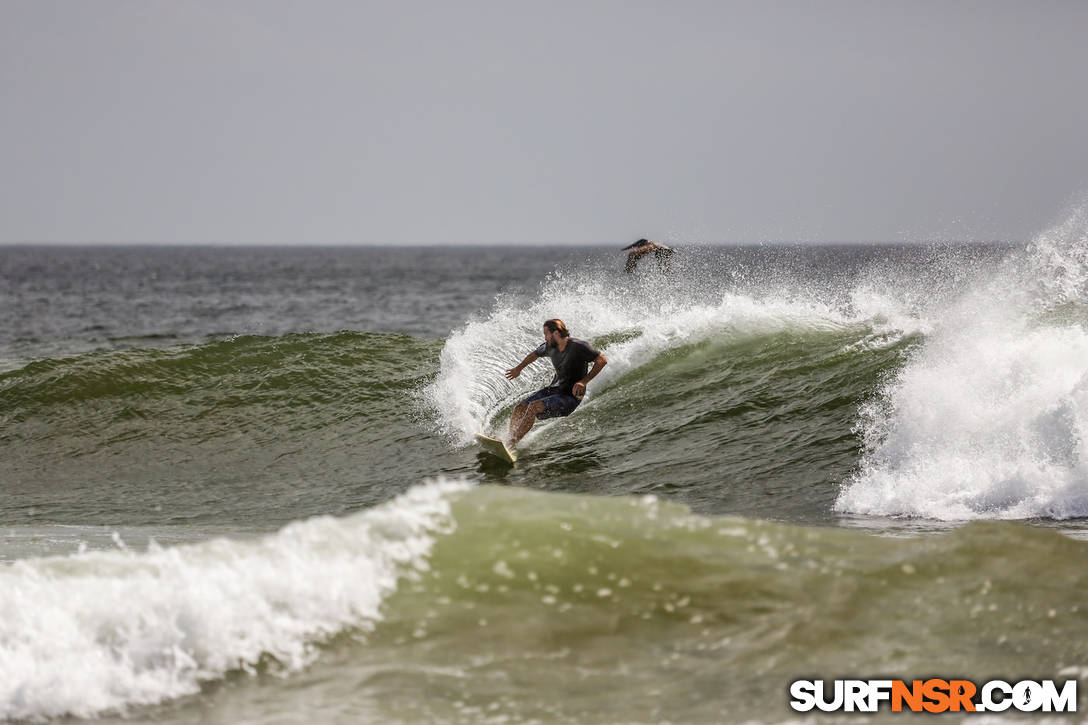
579,388
516,370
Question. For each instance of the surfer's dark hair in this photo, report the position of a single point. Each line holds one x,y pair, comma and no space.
557,325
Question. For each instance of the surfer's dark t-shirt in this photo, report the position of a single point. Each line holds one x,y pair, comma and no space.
571,364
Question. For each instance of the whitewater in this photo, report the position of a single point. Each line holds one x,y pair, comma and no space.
989,418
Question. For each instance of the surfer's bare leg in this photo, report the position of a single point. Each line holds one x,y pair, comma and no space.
515,421
523,418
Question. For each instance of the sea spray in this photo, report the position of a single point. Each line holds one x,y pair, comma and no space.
635,320
989,419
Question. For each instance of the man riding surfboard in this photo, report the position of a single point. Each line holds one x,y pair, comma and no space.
572,359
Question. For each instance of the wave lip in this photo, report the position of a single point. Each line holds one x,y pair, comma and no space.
632,325
98,632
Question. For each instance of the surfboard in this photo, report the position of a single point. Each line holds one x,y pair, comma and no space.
496,448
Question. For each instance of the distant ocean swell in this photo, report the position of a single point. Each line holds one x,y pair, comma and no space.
234,429
273,375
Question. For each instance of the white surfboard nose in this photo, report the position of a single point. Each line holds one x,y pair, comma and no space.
496,448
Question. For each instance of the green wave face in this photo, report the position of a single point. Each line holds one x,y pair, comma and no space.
262,413
645,604
721,422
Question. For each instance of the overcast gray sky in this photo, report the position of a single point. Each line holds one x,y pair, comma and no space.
592,121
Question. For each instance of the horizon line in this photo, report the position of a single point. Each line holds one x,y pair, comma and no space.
407,245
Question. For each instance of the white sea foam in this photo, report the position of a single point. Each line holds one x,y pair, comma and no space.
990,418
102,631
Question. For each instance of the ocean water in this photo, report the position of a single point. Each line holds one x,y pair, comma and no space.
237,485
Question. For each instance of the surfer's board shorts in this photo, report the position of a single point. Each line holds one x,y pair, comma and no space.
557,404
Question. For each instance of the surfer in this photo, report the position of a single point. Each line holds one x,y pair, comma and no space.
571,358
641,248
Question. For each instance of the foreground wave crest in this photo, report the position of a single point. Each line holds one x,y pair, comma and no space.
101,631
